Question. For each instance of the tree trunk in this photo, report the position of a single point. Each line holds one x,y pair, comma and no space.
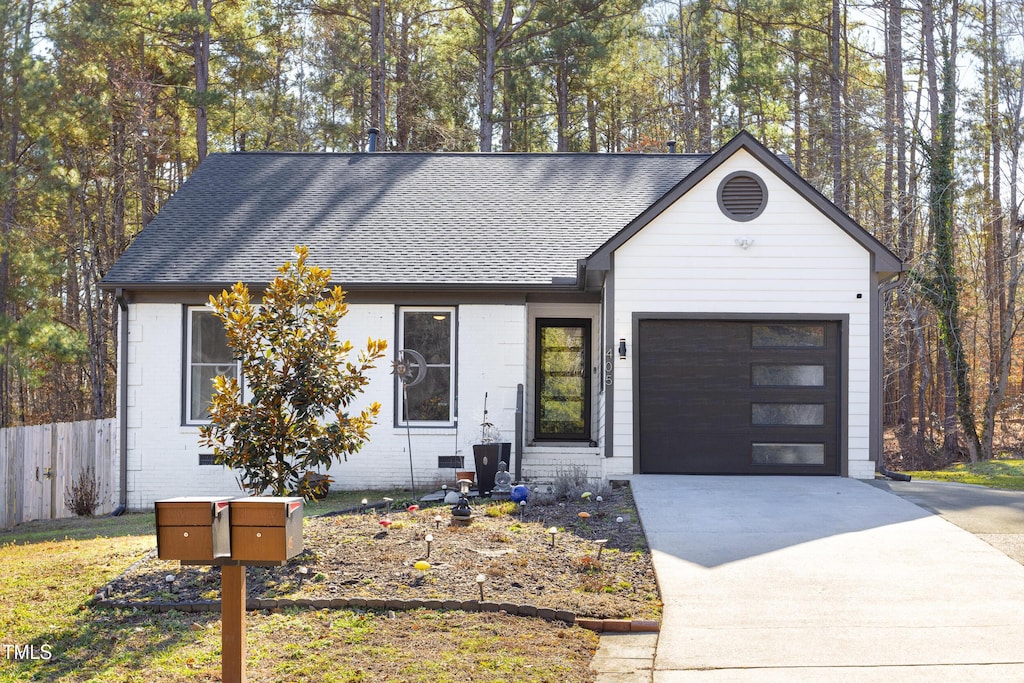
562,105
703,56
487,90
506,110
944,290
201,54
403,100
835,108
592,123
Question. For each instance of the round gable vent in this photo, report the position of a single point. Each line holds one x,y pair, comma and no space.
742,196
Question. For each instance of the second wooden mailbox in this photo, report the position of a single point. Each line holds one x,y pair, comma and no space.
265,530
193,529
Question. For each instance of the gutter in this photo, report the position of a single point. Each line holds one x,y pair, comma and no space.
122,399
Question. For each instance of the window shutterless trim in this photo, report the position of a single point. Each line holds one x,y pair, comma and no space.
452,311
186,367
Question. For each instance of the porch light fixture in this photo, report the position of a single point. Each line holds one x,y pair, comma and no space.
622,349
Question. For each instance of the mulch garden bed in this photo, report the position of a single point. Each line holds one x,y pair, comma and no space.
349,555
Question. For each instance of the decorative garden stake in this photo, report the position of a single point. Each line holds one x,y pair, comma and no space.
437,521
411,368
599,500
600,546
522,510
480,578
389,501
583,515
169,578
429,539
362,506
586,496
618,520
413,508
385,523
552,531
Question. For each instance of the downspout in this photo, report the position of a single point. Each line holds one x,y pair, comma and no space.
122,400
884,288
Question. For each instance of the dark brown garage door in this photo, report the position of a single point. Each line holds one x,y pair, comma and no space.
738,397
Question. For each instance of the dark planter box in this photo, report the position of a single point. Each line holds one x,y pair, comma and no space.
487,457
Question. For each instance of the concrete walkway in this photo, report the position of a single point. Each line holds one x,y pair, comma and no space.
818,579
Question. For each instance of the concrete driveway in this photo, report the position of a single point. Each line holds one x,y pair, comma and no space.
996,517
823,579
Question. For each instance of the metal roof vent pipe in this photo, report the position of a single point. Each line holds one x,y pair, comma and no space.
374,132
671,146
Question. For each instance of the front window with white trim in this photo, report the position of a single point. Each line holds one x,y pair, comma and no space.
207,356
431,332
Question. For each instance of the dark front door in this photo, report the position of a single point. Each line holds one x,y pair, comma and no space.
563,380
738,397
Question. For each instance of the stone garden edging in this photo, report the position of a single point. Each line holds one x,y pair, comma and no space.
101,601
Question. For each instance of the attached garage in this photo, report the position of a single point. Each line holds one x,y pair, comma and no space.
743,328
739,396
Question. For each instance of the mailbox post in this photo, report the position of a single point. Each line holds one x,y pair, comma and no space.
231,533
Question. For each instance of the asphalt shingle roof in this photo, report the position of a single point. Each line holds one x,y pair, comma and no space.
446,220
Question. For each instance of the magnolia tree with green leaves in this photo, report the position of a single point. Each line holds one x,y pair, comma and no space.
299,382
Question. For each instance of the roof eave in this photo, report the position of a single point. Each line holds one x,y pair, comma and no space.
570,285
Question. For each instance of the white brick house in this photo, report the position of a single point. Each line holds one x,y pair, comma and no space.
624,313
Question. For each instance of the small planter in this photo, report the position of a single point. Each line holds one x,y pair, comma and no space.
487,457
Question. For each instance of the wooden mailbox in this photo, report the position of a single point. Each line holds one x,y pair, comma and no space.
265,530
193,529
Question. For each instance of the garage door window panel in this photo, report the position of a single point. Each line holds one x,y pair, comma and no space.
788,453
789,414
788,336
784,375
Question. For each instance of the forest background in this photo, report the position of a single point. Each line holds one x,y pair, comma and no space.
905,114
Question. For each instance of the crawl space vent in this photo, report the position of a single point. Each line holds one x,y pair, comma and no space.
450,462
742,196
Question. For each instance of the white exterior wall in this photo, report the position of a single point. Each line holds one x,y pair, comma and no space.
687,261
163,454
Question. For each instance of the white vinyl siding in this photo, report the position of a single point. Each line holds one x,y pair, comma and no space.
687,260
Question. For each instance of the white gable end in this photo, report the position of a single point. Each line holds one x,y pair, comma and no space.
791,260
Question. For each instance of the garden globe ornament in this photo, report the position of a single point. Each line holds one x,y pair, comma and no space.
519,493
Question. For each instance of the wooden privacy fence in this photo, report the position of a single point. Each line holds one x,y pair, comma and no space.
40,464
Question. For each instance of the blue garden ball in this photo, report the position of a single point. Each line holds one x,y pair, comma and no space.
519,493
